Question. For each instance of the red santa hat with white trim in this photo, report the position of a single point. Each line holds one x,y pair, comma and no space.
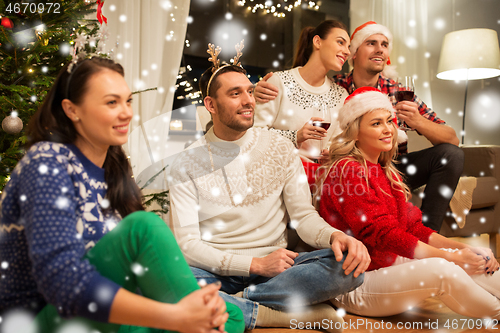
364,100
362,33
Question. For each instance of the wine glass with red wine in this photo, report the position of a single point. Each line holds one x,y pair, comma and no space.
325,114
406,92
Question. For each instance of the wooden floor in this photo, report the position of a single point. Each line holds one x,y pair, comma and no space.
430,316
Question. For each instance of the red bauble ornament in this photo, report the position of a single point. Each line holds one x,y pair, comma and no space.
7,23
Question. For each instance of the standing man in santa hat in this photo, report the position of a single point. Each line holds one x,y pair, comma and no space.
438,167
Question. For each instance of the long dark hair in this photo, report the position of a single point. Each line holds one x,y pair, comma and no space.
305,44
50,123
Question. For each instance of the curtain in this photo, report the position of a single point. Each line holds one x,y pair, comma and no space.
147,38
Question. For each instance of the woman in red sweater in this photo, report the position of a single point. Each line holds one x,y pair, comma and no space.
361,193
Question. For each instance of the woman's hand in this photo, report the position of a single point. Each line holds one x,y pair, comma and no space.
309,131
265,91
202,310
471,262
492,264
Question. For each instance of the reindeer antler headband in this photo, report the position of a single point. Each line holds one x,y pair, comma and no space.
214,53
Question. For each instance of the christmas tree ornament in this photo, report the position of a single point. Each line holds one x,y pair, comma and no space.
41,35
7,23
100,16
42,38
12,124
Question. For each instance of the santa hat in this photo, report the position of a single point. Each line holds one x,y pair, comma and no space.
364,100
362,33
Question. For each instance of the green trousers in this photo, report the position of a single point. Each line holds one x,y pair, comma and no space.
139,254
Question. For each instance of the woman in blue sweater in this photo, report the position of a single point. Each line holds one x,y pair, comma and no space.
64,248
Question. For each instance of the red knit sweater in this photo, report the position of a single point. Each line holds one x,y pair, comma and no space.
386,223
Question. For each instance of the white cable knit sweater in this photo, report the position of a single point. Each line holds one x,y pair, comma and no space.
223,218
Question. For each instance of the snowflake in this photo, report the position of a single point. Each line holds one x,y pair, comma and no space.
446,191
207,236
62,203
18,321
92,307
411,169
341,312
22,197
5,265
105,203
80,40
215,191
43,169
237,199
137,269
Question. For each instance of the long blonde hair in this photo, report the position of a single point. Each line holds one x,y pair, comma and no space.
343,147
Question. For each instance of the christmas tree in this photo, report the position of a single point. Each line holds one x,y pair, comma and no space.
36,39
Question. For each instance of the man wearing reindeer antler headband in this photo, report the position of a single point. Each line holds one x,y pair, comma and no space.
234,192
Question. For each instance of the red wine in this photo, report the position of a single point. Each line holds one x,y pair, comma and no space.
322,124
404,95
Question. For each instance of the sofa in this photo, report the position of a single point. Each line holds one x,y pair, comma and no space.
482,162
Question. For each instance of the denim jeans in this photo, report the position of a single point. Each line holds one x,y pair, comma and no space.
315,277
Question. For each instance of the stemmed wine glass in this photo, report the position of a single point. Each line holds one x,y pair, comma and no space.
325,115
406,92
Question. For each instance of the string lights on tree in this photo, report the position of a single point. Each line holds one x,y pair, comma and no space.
277,8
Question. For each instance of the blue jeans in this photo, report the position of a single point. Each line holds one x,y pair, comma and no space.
315,277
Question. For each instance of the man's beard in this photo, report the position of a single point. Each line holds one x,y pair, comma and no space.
231,122
375,71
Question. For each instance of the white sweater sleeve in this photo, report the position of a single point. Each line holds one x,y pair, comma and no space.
185,225
266,113
310,227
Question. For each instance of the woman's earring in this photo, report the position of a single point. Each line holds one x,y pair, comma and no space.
76,118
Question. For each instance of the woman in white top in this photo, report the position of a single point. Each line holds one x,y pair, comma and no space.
305,96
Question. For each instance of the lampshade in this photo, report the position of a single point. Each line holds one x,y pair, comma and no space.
469,54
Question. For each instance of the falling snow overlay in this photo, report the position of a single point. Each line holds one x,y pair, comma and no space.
389,87
376,213
296,103
51,215
260,187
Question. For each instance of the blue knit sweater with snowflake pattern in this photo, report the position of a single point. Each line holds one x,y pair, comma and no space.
50,217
